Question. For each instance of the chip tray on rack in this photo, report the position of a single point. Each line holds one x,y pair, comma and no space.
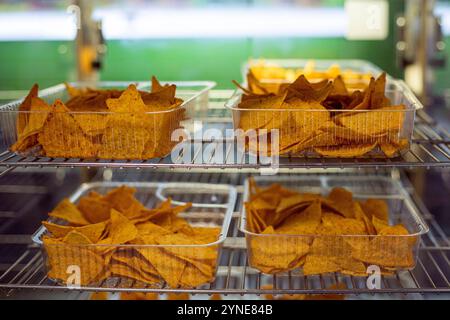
313,238
177,247
102,120
326,118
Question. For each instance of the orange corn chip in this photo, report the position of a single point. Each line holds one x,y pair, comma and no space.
61,258
193,277
304,223
169,267
76,238
124,270
95,209
134,260
345,151
361,215
375,122
341,201
316,264
24,108
93,231
67,211
121,229
63,137
376,208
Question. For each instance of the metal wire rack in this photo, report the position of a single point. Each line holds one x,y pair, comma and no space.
24,268
430,149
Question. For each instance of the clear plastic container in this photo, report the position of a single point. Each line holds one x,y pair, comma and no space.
369,129
86,135
153,266
268,252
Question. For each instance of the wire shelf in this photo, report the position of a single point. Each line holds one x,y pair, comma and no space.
24,268
430,149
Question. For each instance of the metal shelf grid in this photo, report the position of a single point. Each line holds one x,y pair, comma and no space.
25,269
430,149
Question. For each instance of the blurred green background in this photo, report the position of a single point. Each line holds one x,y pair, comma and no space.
51,62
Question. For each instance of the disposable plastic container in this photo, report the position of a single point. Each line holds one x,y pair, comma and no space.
213,206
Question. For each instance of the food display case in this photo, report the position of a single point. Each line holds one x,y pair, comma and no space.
157,238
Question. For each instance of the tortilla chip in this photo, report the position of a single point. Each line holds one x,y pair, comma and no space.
376,208
95,209
345,151
67,211
316,264
24,108
93,231
63,137
192,277
341,201
169,267
361,215
124,270
121,229
76,238
375,122
62,257
304,223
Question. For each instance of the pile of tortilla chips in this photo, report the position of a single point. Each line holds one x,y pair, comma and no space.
324,118
271,75
323,234
109,236
106,124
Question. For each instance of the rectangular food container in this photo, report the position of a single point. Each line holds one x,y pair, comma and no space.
132,140
357,71
212,206
296,125
266,247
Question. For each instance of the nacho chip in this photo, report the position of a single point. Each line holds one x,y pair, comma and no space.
63,137
135,260
316,264
62,257
341,201
93,231
193,253
376,208
361,215
95,209
67,211
76,238
121,229
124,270
375,122
192,277
304,223
39,112
169,267
24,108
345,151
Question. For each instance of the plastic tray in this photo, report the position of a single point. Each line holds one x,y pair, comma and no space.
133,141
263,247
213,206
401,123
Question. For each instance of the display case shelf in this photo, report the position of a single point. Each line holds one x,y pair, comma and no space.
24,268
430,149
